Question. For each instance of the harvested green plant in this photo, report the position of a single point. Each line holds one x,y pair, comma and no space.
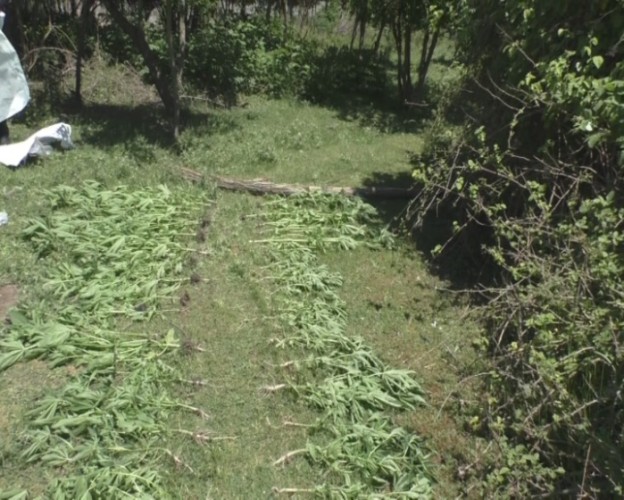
110,258
354,439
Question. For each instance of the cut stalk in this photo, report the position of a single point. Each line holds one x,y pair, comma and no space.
284,459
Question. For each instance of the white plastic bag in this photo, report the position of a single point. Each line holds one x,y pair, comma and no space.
14,93
38,144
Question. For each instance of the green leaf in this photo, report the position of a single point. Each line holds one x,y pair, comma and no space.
594,139
15,494
598,61
8,359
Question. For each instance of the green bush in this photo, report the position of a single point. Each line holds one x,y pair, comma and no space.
229,56
248,56
340,72
537,186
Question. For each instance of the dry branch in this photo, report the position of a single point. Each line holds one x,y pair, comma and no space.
262,187
292,491
286,458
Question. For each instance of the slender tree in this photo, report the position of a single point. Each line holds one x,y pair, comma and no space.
176,16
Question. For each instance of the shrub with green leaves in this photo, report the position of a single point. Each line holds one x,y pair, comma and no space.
536,187
237,56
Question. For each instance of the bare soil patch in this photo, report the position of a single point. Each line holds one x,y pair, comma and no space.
9,296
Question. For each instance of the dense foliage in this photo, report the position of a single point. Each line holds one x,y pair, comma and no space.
535,184
248,56
235,56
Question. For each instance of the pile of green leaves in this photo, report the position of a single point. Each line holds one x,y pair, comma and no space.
537,189
354,439
109,258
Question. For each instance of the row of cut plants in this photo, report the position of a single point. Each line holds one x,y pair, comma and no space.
355,440
109,258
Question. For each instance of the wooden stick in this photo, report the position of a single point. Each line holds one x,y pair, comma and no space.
263,187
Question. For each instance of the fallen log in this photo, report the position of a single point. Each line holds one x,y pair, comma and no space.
263,187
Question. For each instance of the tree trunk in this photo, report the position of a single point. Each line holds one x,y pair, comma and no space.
354,31
268,9
398,41
378,38
176,17
264,187
407,63
14,26
402,32
426,55
174,119
137,35
291,9
363,21
85,12
282,5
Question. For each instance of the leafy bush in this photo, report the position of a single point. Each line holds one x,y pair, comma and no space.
248,56
229,56
542,173
114,42
339,71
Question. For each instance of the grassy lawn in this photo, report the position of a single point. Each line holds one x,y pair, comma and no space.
224,314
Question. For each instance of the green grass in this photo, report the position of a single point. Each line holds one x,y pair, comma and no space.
290,141
391,298
228,316
402,311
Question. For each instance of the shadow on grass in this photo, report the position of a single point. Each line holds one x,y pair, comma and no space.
462,263
359,86
140,129
392,212
387,115
106,125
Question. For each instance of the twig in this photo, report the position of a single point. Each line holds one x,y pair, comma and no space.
290,491
463,470
453,391
288,423
284,459
417,104
201,383
195,409
202,437
270,389
585,468
179,462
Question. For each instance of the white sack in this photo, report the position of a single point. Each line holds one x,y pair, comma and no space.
37,144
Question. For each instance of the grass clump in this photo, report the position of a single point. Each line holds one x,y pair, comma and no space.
355,440
108,258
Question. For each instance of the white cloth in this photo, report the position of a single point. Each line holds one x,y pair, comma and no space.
14,93
37,144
